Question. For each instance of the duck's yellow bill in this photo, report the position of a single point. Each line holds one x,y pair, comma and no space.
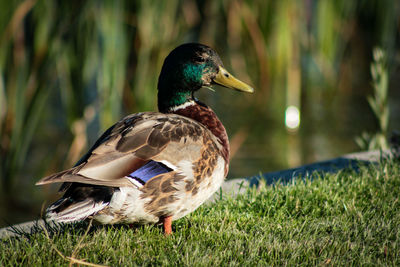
226,79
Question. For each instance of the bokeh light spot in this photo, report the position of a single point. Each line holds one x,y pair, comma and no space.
292,118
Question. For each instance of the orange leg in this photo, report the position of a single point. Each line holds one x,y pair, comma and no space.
167,222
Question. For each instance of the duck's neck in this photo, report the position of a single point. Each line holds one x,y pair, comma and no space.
198,111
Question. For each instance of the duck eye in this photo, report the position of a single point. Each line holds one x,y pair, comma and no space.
199,59
226,75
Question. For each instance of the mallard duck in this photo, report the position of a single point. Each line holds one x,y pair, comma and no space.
154,167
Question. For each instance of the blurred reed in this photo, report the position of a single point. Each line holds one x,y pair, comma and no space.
378,103
69,69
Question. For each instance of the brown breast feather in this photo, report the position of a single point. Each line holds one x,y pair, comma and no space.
206,116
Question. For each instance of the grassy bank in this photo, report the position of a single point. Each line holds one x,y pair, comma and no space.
345,218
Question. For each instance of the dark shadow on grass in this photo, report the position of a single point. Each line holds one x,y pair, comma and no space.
54,229
309,171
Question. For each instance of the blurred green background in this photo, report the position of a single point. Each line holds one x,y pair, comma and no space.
69,69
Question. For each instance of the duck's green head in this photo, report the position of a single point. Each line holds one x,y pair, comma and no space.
188,68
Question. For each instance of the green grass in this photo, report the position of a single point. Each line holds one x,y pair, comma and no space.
346,218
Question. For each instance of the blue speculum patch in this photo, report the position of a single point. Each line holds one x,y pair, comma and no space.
148,171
